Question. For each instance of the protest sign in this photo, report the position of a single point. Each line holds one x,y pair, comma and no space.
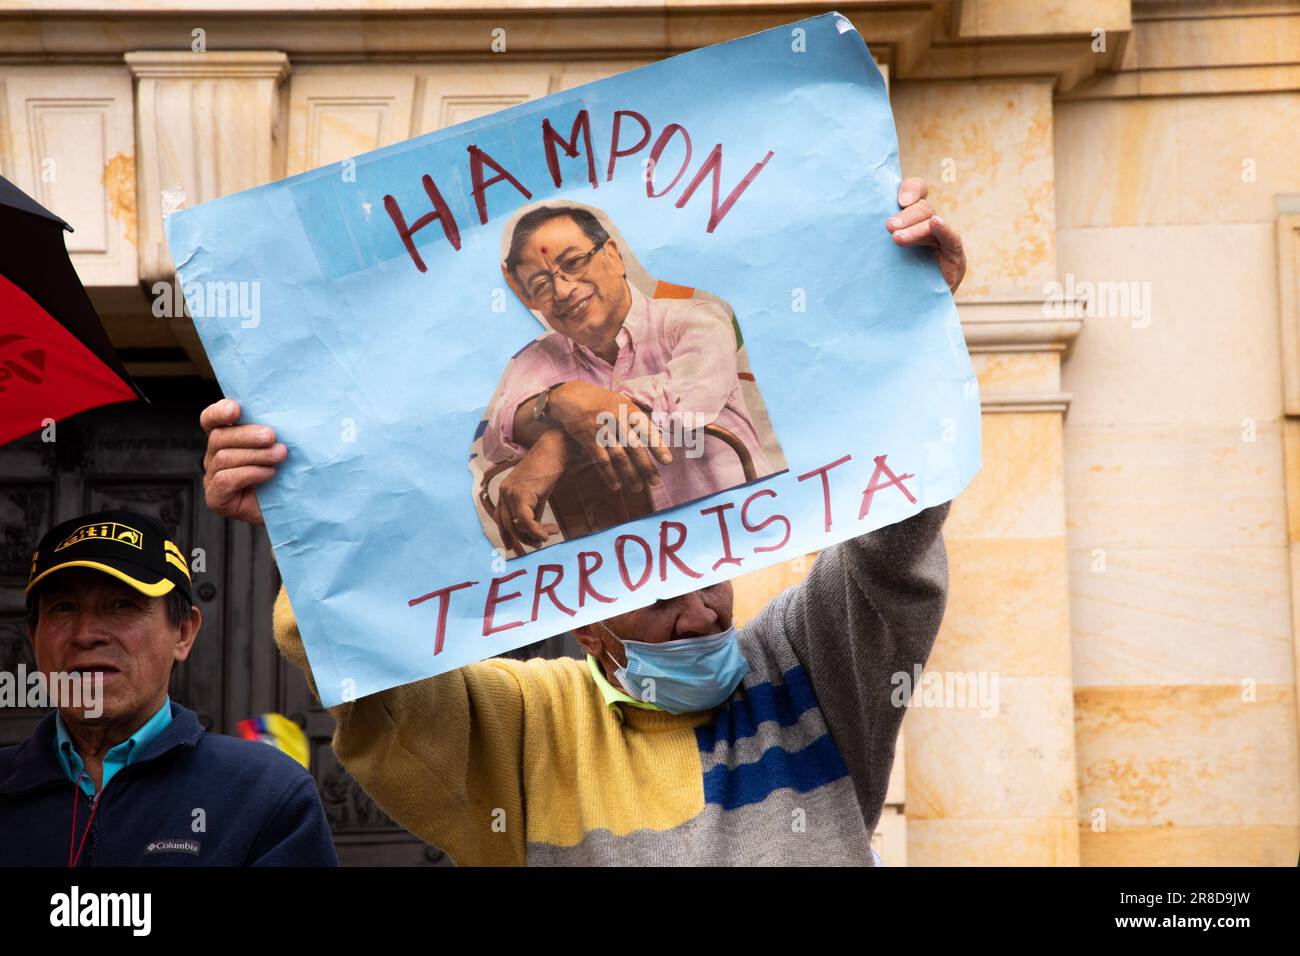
468,339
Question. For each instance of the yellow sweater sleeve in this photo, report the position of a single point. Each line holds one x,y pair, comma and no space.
442,756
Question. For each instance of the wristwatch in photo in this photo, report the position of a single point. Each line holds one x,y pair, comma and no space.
542,404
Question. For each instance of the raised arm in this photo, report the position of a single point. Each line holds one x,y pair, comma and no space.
869,609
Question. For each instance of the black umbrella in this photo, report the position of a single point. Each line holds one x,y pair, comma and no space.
55,357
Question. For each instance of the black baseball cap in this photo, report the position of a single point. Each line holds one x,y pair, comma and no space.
132,547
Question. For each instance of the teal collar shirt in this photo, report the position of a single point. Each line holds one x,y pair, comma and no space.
117,758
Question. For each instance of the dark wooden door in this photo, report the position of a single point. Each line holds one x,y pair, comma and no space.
150,458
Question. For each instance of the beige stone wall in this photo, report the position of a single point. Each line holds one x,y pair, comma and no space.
1125,566
1134,553
1181,588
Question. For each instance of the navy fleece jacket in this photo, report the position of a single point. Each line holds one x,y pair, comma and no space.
189,799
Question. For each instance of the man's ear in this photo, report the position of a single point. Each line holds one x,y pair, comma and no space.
589,640
515,287
612,246
189,631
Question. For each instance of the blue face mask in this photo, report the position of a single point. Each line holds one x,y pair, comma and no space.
685,675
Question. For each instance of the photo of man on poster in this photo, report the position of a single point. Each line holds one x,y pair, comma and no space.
637,398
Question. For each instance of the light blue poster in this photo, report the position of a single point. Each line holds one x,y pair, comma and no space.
595,350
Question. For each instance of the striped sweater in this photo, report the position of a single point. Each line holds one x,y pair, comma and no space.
506,762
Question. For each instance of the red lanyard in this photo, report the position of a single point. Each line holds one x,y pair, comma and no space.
72,837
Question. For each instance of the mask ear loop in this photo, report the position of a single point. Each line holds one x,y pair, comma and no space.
616,664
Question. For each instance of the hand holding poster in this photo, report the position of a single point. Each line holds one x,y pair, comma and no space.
659,314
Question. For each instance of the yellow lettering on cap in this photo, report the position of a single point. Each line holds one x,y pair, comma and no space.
112,530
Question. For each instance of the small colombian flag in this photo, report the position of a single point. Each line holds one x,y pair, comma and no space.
278,731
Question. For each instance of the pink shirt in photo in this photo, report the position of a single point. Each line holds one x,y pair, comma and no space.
675,356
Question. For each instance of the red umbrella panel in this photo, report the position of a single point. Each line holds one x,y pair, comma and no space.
46,373
55,358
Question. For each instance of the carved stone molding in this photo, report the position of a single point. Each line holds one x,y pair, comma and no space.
1192,47
916,39
1019,326
1010,333
207,125
1029,402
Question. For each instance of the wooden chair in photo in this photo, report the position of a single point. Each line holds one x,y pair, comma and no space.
583,504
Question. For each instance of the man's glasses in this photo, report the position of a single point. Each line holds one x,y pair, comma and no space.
542,288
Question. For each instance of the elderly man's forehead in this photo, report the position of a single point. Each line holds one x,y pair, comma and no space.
84,581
